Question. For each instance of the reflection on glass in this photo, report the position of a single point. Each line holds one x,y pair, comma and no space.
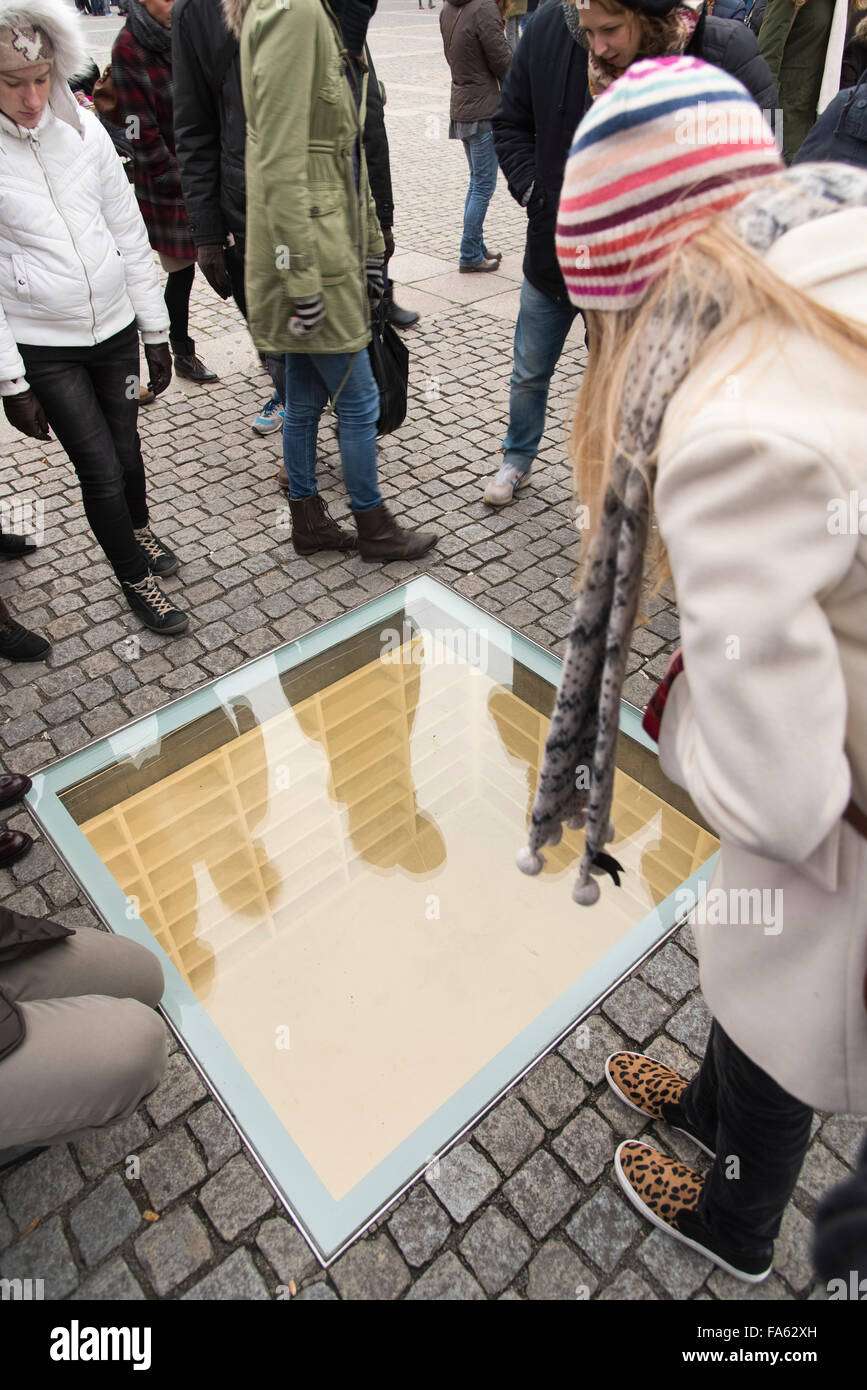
328,858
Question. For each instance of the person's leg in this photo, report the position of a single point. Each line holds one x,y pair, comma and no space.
93,1046
540,333
306,396
762,1136
179,286
699,1102
112,369
357,413
482,161
70,402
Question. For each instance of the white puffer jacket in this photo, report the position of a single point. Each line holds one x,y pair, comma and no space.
75,262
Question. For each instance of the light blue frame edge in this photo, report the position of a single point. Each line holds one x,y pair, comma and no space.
330,1225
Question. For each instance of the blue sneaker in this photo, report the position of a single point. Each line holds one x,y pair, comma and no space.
270,417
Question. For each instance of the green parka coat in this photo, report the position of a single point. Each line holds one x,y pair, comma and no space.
308,228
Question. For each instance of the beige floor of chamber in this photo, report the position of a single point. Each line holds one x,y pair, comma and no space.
338,887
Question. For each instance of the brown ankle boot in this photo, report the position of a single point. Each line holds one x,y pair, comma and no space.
313,527
380,537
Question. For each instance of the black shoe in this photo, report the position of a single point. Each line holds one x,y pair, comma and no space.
156,611
192,368
752,1269
161,560
13,546
18,643
14,787
401,318
14,844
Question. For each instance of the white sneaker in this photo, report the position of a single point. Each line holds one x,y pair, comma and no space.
503,486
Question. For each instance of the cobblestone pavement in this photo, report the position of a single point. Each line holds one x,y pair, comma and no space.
526,1205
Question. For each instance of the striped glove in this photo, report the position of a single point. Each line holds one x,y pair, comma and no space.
373,269
308,317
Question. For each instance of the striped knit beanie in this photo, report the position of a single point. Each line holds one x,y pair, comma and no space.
670,144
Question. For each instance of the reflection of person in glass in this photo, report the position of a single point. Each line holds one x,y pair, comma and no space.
374,779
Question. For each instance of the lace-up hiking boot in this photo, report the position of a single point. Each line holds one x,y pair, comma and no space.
666,1193
161,561
381,538
314,528
156,611
652,1089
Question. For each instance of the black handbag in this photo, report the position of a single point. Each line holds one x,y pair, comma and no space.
389,361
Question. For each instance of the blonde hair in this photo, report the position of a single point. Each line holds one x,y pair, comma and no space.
715,258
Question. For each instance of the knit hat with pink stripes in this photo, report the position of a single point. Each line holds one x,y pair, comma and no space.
670,144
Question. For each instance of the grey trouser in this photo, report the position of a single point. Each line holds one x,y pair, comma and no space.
93,1045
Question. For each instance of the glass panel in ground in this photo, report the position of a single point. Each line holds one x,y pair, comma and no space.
336,881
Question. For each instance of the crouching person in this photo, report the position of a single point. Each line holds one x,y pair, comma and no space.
315,253
80,1042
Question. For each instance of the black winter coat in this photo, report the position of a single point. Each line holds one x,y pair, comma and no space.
211,128
543,99
544,96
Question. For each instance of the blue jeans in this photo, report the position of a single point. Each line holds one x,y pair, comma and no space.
311,377
539,337
482,160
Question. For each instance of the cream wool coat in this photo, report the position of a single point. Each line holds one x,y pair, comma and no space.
769,733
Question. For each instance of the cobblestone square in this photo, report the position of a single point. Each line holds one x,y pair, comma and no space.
525,1206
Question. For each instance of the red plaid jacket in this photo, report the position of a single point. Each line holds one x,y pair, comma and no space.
143,83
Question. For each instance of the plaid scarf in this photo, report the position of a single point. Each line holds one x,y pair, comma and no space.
577,776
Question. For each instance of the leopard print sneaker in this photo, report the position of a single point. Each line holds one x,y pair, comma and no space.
666,1193
649,1086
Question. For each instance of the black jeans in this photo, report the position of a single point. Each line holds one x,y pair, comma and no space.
760,1134
274,366
90,397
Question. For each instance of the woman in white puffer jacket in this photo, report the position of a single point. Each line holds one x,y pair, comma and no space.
77,285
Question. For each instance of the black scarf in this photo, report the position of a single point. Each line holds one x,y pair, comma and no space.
151,35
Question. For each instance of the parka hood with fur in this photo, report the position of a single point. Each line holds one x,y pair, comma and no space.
66,32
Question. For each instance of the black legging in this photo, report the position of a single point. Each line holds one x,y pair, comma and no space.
90,398
179,286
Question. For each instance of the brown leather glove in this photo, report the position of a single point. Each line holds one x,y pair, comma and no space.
159,361
26,414
388,234
212,264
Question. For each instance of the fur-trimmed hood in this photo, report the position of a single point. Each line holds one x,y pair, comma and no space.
66,32
234,13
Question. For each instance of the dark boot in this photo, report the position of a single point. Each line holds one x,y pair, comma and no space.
161,560
157,612
13,787
14,844
314,528
18,643
380,537
12,546
189,366
401,318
